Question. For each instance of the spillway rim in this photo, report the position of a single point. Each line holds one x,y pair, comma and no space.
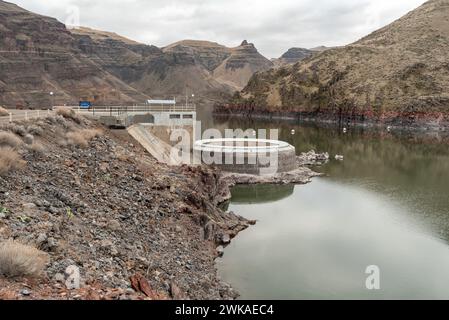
219,145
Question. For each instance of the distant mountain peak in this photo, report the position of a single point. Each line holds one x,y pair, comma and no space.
246,44
292,56
297,53
231,67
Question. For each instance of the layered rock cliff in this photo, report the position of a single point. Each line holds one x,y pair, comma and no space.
399,71
208,69
161,73
38,56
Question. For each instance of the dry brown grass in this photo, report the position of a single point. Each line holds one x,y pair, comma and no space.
17,260
67,113
37,148
122,157
10,160
9,139
82,137
3,112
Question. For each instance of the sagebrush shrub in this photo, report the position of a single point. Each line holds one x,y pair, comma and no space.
10,160
35,130
68,113
17,260
37,148
82,137
3,112
9,139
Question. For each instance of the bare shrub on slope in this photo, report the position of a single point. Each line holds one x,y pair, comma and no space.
3,112
10,160
8,139
82,137
18,260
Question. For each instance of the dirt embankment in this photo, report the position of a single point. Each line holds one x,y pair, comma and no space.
109,218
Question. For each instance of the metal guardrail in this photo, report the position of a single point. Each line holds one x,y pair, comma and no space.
21,115
25,115
120,110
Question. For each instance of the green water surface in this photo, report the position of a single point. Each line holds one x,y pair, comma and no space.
386,204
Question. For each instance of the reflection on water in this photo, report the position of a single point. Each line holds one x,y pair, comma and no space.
387,204
260,193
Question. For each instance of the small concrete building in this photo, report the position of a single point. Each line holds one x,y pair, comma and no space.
161,102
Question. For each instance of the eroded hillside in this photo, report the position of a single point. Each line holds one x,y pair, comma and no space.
400,70
38,55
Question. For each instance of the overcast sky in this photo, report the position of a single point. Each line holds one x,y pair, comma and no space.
272,25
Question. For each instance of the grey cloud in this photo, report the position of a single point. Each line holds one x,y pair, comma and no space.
274,26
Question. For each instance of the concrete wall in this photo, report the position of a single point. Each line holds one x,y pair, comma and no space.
283,161
174,118
143,118
166,118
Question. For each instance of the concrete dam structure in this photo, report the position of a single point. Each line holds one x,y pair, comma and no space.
247,156
159,149
126,116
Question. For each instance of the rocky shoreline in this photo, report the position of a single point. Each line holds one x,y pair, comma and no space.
113,222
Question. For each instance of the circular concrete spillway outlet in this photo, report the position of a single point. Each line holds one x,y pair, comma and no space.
247,156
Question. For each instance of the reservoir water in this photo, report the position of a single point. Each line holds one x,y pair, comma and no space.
386,205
